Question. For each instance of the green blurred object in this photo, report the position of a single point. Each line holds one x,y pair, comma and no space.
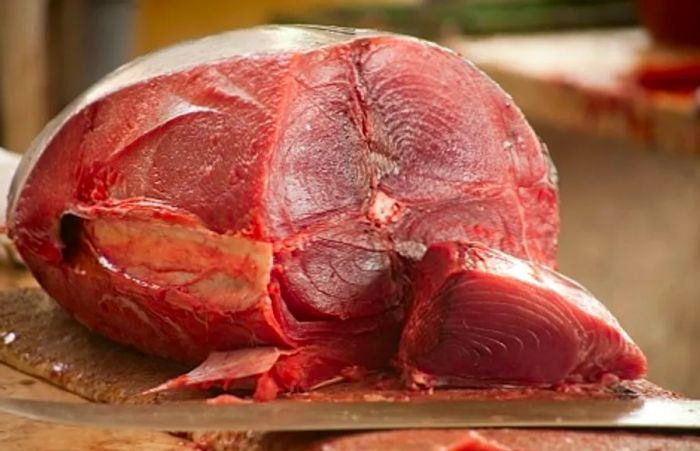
406,19
479,16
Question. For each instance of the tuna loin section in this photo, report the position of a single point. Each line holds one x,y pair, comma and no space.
481,318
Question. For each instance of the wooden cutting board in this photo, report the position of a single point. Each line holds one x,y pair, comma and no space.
20,434
40,339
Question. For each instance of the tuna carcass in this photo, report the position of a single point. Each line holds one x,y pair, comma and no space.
257,201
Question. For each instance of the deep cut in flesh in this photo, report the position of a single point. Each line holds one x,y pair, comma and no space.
273,188
483,318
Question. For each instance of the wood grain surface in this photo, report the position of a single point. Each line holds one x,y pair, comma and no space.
20,434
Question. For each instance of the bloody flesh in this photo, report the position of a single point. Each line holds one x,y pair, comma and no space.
274,188
483,318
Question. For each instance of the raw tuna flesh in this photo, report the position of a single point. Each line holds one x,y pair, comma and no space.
272,188
483,318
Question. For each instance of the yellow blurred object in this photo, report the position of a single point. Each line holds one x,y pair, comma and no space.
23,71
163,22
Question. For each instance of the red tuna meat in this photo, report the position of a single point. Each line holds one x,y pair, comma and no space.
272,188
481,318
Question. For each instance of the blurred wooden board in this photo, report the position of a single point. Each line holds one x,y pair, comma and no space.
581,80
12,276
18,434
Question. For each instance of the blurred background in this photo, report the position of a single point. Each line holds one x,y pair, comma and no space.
612,87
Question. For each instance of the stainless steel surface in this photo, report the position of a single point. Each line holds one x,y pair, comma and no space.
304,416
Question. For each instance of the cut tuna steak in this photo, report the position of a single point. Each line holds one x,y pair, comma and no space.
272,188
481,318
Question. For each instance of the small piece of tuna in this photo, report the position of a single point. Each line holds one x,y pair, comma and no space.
482,318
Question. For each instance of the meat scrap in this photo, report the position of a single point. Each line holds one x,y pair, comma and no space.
483,318
262,200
